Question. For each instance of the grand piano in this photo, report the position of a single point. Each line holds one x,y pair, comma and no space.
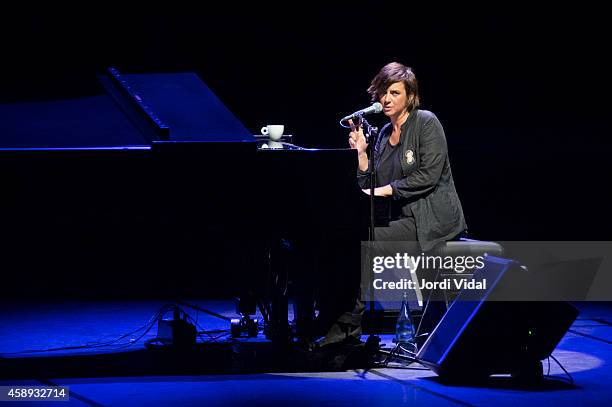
153,188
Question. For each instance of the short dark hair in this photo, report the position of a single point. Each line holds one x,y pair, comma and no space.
390,74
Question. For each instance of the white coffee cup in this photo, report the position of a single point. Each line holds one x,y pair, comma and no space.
274,131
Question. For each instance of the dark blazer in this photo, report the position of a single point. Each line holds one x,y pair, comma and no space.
427,187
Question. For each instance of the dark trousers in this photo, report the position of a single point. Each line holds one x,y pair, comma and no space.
401,230
434,306
347,323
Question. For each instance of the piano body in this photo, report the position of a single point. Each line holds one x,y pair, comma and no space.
154,189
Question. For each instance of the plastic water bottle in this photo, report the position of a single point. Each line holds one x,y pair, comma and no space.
404,328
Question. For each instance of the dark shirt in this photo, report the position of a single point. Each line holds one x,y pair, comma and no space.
389,169
389,166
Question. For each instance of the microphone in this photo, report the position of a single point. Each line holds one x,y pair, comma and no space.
375,108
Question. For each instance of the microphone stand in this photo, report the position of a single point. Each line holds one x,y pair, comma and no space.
371,134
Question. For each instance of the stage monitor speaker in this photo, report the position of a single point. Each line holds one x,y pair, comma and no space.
381,317
477,338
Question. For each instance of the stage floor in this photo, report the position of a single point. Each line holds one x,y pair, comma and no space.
122,372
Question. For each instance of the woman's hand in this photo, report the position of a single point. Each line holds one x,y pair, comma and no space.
356,138
380,191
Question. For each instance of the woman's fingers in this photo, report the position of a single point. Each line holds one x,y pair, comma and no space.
353,128
356,135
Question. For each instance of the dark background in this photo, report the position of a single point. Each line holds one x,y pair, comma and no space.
522,93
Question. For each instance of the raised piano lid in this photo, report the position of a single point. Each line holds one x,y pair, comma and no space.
185,105
180,107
